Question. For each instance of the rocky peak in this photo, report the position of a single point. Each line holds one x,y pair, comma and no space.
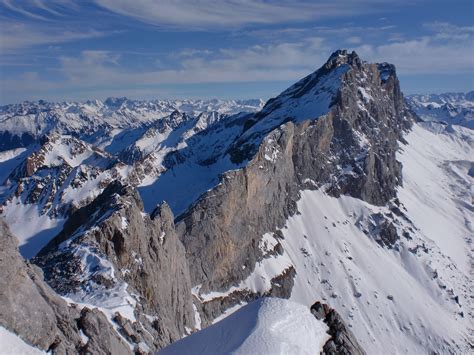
336,129
340,57
115,102
114,197
386,71
342,339
205,119
343,83
449,108
48,171
55,150
113,256
176,115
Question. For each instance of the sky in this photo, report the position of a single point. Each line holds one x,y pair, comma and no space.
64,50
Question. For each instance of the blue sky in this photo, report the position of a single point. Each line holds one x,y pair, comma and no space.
146,49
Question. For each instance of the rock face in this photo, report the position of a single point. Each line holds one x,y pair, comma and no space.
110,253
31,309
346,144
342,340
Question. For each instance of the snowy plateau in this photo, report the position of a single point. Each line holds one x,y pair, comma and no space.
335,218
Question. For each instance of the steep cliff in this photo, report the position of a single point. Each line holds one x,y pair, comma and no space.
338,129
129,264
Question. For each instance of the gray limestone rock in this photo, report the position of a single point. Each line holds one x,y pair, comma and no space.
33,311
102,338
147,258
342,341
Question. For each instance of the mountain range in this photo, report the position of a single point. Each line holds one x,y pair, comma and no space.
451,108
335,218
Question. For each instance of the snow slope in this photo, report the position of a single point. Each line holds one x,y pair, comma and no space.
438,189
12,344
266,326
412,298
42,183
9,160
32,228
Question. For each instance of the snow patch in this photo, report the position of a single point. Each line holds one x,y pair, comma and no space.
258,281
197,318
124,223
11,343
107,299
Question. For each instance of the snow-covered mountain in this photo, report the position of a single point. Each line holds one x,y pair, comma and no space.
451,108
98,121
59,172
154,220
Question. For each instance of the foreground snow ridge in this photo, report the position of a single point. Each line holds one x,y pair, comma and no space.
266,326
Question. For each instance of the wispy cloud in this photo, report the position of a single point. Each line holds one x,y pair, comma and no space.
17,35
96,70
103,71
190,52
198,43
22,10
35,23
284,61
447,49
208,14
422,56
354,40
339,34
446,30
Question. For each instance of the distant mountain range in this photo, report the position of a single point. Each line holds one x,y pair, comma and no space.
128,225
98,121
451,108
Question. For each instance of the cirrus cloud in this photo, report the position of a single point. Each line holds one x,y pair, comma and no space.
208,14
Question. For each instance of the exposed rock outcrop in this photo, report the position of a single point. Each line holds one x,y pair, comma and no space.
110,253
342,341
31,309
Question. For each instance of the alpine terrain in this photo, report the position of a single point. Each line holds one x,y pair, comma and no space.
335,218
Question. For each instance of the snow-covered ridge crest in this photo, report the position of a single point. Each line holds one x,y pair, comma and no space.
266,326
57,150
